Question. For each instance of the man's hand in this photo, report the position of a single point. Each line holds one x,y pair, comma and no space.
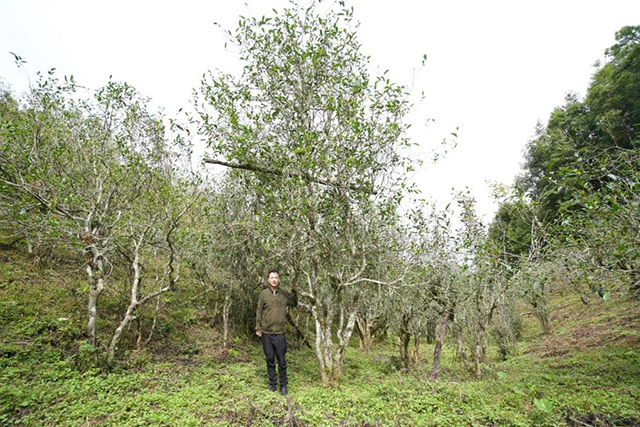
259,333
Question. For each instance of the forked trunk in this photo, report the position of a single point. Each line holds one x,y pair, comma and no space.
331,357
478,354
404,337
416,349
133,304
96,286
128,317
437,352
480,346
344,335
134,301
323,347
364,332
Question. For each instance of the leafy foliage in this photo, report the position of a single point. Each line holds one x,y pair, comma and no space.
314,145
583,136
318,144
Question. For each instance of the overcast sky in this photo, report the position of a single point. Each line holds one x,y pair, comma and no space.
494,68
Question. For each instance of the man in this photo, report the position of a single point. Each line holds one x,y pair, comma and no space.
271,317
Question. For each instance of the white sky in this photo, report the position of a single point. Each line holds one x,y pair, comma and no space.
494,67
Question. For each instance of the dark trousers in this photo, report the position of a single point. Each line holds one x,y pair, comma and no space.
275,346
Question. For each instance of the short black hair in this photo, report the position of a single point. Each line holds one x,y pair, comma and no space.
273,270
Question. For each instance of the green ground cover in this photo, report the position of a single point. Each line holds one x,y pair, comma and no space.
600,384
587,372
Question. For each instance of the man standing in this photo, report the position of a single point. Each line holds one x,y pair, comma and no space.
271,317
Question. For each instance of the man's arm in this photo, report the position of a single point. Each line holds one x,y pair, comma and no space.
293,297
259,316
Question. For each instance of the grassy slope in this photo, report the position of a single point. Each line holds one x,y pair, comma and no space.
586,373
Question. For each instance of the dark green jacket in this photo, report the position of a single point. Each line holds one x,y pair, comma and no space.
271,314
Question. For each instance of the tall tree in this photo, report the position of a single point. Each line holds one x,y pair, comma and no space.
581,135
612,97
319,140
582,169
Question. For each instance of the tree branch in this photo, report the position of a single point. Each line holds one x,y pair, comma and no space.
304,175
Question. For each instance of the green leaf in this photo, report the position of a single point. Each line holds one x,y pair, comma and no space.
502,375
543,404
547,377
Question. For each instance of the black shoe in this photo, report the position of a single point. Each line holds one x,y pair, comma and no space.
283,390
272,387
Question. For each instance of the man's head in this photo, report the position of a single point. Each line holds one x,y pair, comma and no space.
273,278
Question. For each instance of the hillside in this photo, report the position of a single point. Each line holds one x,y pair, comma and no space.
585,373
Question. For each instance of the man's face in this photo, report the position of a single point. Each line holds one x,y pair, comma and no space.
274,280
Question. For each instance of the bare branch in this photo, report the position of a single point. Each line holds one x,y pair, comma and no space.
300,174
